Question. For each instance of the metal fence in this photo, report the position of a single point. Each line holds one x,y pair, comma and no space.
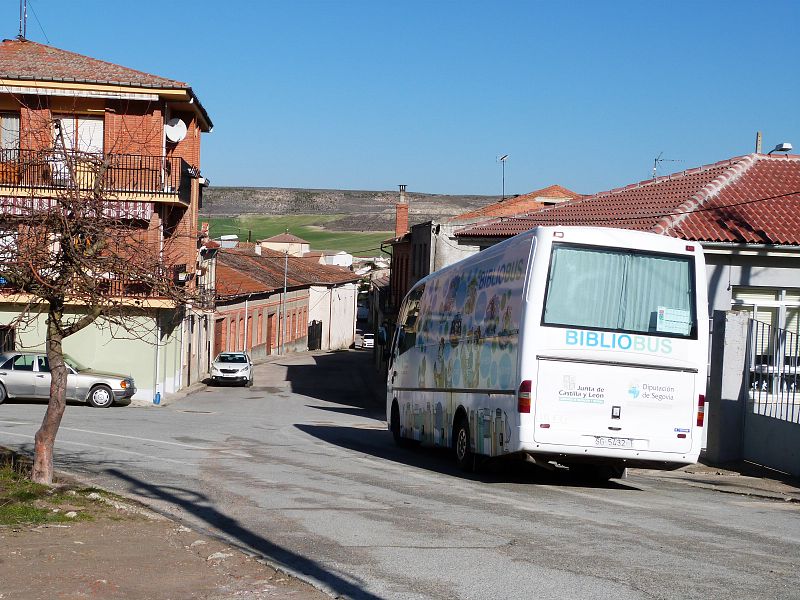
773,375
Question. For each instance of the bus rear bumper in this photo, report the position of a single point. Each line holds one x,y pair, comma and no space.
662,461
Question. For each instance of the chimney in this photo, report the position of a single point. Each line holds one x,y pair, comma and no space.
401,216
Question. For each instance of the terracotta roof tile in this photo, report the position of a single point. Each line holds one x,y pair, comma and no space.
286,238
241,272
519,205
748,199
27,60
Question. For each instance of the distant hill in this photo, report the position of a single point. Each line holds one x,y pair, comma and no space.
356,210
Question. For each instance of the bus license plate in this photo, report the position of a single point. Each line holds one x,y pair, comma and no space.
613,442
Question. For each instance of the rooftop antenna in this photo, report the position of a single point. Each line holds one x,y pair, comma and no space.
658,159
23,19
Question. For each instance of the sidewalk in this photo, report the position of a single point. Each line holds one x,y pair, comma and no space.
118,549
201,385
741,478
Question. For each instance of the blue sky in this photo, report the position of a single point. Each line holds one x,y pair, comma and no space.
370,94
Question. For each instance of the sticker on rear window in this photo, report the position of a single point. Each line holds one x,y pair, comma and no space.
673,320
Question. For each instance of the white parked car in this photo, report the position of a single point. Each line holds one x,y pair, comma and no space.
368,340
232,367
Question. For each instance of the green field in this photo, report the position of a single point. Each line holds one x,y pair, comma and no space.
309,227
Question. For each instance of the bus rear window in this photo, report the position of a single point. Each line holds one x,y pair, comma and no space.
621,290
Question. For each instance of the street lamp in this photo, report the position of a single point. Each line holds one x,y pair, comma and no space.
782,147
503,160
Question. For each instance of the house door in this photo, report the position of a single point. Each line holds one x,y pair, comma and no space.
270,332
219,333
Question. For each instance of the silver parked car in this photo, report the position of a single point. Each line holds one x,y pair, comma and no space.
232,367
27,375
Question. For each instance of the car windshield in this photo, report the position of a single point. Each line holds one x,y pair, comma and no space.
75,364
231,358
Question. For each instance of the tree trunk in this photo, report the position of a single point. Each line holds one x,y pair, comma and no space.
46,436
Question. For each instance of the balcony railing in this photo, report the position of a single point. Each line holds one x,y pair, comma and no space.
138,288
132,173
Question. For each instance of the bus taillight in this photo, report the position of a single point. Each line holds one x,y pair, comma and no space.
701,409
524,397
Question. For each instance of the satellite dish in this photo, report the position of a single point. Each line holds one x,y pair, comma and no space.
175,130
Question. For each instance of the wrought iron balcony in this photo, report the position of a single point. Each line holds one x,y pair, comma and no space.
141,288
127,175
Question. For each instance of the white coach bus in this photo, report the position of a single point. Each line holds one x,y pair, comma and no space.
584,347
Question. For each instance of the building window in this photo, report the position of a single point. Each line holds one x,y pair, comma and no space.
79,133
777,307
9,136
6,339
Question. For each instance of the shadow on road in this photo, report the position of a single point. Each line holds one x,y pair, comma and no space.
341,377
355,411
379,444
201,507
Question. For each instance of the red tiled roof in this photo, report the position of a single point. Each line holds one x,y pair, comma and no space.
244,272
519,205
748,199
285,238
27,60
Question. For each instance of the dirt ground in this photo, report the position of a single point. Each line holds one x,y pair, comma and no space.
127,552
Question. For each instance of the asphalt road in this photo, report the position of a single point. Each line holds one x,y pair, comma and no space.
300,469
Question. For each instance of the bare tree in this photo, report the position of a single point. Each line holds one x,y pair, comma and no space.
71,248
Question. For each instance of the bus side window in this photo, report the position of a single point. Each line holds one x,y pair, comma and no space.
407,333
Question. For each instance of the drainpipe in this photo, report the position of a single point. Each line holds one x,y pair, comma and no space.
156,396
244,344
355,310
330,315
180,356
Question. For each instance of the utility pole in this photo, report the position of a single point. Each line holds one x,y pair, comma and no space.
283,302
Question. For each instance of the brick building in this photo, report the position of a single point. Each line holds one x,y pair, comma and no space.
61,112
254,315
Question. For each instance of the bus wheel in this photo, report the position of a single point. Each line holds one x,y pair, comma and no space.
464,456
394,424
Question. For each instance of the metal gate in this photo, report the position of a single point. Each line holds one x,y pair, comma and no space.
772,418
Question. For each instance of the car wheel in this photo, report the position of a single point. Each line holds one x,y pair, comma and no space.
101,397
3,394
461,442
